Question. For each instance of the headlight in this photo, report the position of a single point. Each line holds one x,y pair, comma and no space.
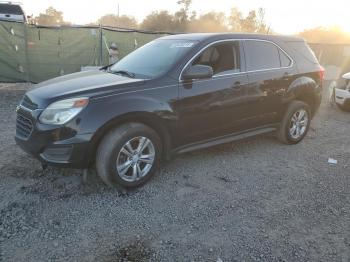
61,112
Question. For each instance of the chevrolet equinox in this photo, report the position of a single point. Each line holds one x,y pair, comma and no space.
173,95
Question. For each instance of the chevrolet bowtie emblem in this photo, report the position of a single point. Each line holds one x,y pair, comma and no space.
17,108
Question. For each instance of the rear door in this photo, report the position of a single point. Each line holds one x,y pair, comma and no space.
270,72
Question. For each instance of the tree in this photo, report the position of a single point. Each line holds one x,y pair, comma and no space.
249,23
164,21
234,20
261,23
159,21
254,22
123,21
186,21
332,35
210,22
51,17
183,17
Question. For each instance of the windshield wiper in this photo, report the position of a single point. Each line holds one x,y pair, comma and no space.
124,72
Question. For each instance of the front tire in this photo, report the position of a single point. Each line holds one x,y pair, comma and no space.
295,123
129,155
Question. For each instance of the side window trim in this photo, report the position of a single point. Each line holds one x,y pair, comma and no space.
242,56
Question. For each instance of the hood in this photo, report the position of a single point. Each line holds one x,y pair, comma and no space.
87,83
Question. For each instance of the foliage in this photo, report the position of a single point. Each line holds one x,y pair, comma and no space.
123,21
159,21
234,20
186,21
254,22
210,22
183,17
333,35
183,20
51,17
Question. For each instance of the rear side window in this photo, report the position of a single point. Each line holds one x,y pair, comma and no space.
261,55
10,9
304,50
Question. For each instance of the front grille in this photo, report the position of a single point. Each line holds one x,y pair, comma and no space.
27,103
24,126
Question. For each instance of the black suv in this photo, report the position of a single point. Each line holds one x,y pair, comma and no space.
173,95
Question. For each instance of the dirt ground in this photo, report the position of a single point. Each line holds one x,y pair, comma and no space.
255,200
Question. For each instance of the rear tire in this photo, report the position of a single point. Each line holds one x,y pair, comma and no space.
129,155
295,123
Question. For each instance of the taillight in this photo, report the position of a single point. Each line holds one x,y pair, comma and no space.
321,73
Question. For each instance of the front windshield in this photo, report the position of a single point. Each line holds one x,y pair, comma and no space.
154,58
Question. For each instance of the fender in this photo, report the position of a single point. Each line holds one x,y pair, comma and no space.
299,87
156,102
148,107
306,89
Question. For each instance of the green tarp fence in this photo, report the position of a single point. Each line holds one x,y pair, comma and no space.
35,53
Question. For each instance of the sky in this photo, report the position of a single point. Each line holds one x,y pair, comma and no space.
286,17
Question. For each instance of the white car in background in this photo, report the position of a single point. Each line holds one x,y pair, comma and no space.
10,11
341,93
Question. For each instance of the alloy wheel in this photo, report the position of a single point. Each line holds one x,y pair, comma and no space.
135,159
298,124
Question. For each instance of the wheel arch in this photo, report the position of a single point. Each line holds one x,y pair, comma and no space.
304,89
146,118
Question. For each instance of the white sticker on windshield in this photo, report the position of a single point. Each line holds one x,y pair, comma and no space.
182,45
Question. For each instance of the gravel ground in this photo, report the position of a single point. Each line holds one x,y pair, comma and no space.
255,200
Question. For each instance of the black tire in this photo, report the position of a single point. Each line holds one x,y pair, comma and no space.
283,133
111,146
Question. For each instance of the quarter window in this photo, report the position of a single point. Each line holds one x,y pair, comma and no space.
223,58
262,55
285,61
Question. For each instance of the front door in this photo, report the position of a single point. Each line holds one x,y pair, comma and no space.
210,108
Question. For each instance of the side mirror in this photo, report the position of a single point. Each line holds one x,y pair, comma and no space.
198,72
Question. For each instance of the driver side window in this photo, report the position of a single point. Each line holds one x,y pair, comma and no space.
222,57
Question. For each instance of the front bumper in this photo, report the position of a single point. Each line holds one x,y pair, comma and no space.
342,97
57,146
